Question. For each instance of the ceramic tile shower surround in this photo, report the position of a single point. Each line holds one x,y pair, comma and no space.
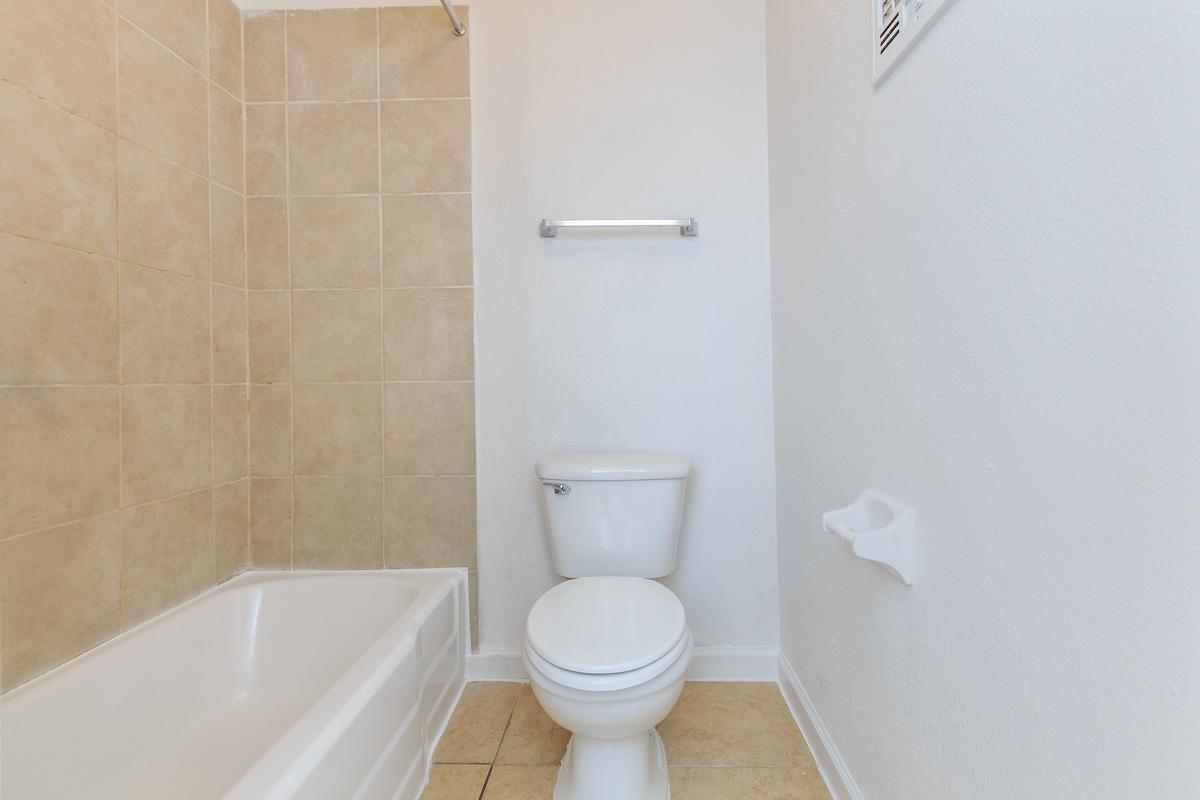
123,387
362,424
163,428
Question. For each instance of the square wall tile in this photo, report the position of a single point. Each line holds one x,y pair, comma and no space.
267,243
335,242
419,55
162,101
334,148
60,175
331,54
165,445
270,336
427,240
430,522
231,527
271,523
164,214
225,130
266,161
336,335
428,334
429,428
338,429
339,523
229,332
225,45
228,243
58,593
230,412
167,554
60,320
164,327
74,63
60,456
271,430
178,24
426,146
263,31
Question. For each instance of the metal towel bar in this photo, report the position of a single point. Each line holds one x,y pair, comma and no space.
687,227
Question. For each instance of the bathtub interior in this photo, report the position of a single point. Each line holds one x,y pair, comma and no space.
187,704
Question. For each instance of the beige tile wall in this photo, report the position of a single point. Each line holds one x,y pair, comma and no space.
124,465
362,442
236,305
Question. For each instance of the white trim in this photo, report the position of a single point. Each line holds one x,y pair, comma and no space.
495,664
708,664
829,759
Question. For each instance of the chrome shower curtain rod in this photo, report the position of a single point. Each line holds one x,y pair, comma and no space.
459,28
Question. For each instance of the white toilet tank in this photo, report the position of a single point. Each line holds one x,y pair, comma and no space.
613,514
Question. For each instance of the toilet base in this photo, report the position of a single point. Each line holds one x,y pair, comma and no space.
633,768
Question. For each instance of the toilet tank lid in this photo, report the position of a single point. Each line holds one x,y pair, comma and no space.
613,467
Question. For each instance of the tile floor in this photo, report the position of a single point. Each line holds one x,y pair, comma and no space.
725,741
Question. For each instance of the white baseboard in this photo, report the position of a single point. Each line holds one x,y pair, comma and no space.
733,664
708,664
495,664
829,760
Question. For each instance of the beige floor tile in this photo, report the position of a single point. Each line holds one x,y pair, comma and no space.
456,782
474,732
532,737
747,783
733,725
521,783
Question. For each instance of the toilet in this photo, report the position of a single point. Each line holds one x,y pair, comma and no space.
607,651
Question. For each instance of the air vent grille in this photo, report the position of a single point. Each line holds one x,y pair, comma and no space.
899,23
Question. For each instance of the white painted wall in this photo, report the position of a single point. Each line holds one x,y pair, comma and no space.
625,341
987,303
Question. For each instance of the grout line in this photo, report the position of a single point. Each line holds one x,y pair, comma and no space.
360,101
382,338
112,132
331,195
120,509
287,185
120,322
201,72
212,334
248,558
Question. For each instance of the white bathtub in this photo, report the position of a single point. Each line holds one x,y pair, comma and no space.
323,685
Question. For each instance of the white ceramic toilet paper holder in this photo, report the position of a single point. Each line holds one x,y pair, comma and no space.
878,529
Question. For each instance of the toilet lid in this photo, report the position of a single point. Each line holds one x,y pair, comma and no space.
601,626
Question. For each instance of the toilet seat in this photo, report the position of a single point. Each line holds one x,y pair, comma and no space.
611,682
605,625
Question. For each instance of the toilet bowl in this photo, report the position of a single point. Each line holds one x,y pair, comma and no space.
607,658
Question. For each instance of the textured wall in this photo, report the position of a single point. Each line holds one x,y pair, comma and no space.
123,457
625,340
986,292
362,446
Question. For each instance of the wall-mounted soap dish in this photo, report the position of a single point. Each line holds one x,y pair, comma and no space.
879,529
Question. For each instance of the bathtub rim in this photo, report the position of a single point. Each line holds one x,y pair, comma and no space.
247,578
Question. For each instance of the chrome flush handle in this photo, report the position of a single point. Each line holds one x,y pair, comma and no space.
559,488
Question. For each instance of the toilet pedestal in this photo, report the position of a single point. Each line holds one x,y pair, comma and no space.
633,768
